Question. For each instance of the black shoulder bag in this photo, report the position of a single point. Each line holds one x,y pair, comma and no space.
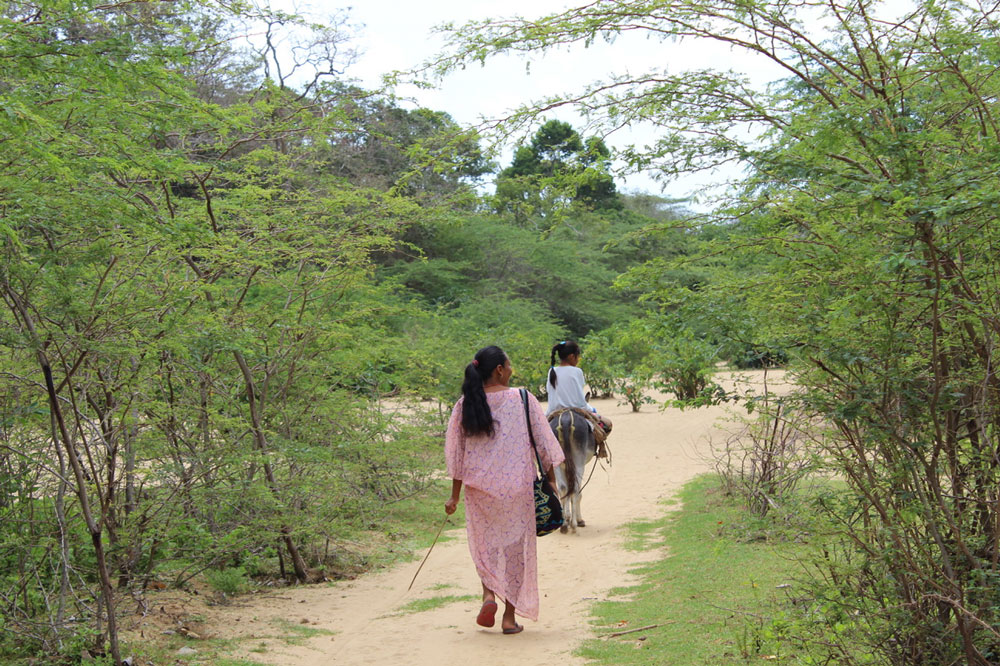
548,510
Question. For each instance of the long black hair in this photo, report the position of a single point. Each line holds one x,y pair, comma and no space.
564,349
477,419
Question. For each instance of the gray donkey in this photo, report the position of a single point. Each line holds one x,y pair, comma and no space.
576,436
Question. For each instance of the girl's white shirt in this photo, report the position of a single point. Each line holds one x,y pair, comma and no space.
568,391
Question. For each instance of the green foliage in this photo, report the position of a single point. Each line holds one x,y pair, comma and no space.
421,153
604,363
652,351
702,318
614,363
862,246
556,171
685,363
177,254
483,258
229,581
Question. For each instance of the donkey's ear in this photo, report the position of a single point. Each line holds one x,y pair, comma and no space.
587,397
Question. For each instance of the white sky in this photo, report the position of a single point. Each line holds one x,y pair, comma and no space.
398,35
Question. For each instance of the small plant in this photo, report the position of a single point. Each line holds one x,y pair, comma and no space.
765,459
632,390
685,364
230,581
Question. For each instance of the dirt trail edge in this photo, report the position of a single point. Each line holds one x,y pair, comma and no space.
654,453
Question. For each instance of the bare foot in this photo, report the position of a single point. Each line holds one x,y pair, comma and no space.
508,623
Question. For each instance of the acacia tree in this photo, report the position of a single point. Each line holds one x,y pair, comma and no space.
871,210
420,153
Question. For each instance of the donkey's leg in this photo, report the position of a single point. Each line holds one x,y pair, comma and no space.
569,512
569,519
578,496
574,509
577,516
561,487
567,506
591,449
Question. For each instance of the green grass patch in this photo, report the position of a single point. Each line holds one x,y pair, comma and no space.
643,535
216,651
421,605
297,634
711,597
208,650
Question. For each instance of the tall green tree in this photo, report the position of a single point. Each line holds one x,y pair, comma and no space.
556,170
420,153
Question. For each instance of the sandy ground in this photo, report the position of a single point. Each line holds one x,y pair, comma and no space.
654,453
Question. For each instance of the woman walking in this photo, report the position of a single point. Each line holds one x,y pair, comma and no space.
488,451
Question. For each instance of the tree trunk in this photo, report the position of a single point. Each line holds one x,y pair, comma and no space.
64,553
260,441
93,526
61,433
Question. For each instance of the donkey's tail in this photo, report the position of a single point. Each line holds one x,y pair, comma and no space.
567,439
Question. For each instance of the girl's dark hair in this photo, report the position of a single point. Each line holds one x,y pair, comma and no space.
564,349
476,416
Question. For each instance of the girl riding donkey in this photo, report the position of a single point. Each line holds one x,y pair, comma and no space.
581,431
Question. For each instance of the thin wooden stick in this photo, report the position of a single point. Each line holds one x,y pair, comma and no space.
440,529
632,631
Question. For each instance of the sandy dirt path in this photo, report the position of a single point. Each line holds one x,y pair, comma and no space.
654,453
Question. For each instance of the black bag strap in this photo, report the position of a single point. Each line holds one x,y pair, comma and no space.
531,435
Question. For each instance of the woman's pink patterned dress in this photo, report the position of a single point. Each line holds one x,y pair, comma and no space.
498,473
